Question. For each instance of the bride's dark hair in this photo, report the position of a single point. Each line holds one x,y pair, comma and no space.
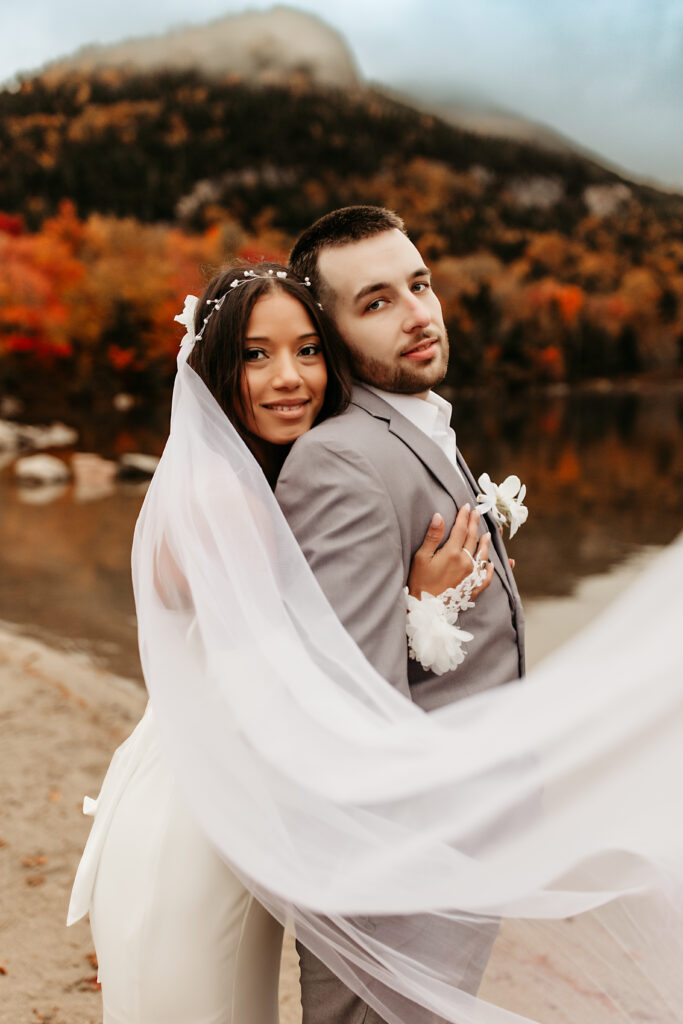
218,356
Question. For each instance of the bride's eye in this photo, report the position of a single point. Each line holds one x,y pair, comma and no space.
310,350
252,355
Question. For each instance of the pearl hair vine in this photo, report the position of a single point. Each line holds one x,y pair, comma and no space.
247,276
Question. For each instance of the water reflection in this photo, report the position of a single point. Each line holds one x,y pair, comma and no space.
604,474
65,569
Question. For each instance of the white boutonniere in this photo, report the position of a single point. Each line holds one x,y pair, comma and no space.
503,501
186,318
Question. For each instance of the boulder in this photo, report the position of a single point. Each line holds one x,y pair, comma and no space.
136,466
93,476
89,468
57,435
18,437
36,470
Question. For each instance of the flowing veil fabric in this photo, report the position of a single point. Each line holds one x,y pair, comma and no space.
393,841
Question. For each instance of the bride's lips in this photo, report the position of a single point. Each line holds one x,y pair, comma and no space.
423,350
288,408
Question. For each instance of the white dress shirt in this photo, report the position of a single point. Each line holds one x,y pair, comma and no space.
431,415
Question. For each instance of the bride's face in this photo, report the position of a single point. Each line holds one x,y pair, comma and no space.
284,380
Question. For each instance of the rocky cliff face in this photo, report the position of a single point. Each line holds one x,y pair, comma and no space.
267,47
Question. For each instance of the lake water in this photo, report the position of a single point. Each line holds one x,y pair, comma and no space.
604,476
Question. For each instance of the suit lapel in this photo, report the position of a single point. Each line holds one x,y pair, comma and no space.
438,464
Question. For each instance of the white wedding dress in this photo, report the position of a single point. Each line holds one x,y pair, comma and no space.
179,939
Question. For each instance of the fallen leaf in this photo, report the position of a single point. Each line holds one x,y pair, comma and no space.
55,796
92,960
3,842
3,969
88,984
35,861
34,880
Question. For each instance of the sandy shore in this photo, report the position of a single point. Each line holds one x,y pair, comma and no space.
61,718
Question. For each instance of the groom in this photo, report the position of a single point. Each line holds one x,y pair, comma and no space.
359,490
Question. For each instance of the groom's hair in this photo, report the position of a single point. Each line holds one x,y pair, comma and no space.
340,227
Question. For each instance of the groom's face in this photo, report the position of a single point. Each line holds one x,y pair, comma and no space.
383,304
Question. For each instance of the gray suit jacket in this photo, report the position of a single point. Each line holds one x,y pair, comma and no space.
359,491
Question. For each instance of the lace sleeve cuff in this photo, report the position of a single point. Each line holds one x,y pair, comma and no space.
434,639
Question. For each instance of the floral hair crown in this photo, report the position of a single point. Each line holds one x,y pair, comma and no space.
187,317
247,276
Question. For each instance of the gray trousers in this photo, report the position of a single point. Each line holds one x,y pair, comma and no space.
327,1000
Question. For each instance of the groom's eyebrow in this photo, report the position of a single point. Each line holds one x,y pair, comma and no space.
379,286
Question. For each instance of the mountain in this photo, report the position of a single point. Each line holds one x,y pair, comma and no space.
284,45
262,47
549,265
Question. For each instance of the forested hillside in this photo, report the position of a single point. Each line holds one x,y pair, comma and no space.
550,267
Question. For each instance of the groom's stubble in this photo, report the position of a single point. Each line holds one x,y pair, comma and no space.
397,380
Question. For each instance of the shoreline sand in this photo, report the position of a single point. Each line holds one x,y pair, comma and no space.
61,718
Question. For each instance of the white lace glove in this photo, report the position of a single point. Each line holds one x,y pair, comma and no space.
434,639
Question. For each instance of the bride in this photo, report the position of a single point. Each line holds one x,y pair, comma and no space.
179,937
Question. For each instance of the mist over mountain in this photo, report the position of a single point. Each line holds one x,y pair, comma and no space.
263,47
468,109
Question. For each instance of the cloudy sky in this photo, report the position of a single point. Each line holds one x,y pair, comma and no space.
606,73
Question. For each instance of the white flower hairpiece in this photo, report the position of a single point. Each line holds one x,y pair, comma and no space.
186,318
503,501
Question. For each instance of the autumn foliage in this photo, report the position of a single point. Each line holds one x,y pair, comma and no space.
121,192
91,302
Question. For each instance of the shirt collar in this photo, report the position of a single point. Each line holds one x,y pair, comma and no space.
444,409
428,414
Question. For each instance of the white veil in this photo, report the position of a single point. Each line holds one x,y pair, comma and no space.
391,840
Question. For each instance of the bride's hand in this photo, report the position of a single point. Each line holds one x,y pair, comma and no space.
435,568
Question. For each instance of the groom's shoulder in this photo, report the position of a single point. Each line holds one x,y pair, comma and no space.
354,430
341,456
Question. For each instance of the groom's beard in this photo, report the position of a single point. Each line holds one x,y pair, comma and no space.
400,377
